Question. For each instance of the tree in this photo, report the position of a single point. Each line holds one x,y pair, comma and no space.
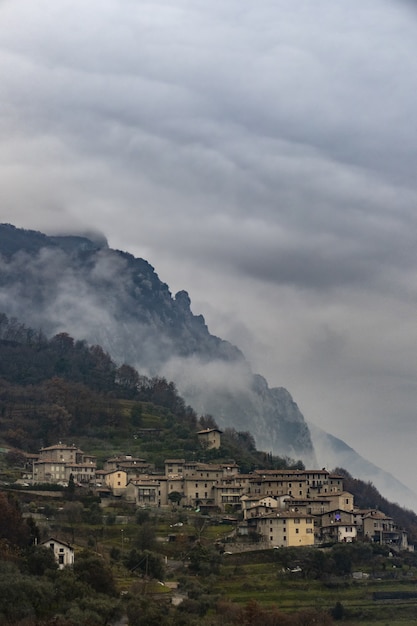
94,514
13,528
23,597
70,490
142,516
39,559
144,611
338,611
145,537
175,497
92,570
207,421
204,560
128,379
136,414
146,562
72,512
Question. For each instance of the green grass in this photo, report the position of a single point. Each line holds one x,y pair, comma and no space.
265,583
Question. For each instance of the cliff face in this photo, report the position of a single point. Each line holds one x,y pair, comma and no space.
81,286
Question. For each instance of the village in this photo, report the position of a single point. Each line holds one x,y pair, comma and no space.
276,508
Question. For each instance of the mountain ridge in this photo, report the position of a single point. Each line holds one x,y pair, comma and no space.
73,284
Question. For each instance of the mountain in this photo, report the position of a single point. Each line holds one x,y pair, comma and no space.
336,453
108,297
78,285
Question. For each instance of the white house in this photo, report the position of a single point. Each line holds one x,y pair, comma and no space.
339,531
63,552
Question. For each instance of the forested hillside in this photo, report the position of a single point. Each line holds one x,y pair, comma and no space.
368,496
70,284
62,389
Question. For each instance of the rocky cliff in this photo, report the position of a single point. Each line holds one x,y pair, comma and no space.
81,286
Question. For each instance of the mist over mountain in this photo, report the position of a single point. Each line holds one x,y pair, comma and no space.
72,284
77,284
334,452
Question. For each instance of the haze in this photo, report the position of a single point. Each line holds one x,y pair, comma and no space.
260,156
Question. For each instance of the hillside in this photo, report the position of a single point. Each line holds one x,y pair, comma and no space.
110,298
58,389
62,389
78,285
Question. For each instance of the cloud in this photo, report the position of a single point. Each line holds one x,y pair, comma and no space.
261,156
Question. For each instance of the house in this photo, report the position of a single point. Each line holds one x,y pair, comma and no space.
173,467
49,471
57,463
121,461
258,505
379,527
135,467
339,531
145,491
279,483
116,481
210,438
228,492
339,500
284,529
337,515
61,452
322,482
63,552
81,472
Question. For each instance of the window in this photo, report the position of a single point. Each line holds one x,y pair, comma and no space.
309,531
297,530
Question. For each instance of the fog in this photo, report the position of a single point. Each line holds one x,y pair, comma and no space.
262,157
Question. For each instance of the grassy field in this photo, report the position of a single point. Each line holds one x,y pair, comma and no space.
268,585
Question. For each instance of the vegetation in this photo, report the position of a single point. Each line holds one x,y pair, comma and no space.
128,560
115,574
75,391
367,496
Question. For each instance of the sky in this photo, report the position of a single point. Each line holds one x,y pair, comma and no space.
261,156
